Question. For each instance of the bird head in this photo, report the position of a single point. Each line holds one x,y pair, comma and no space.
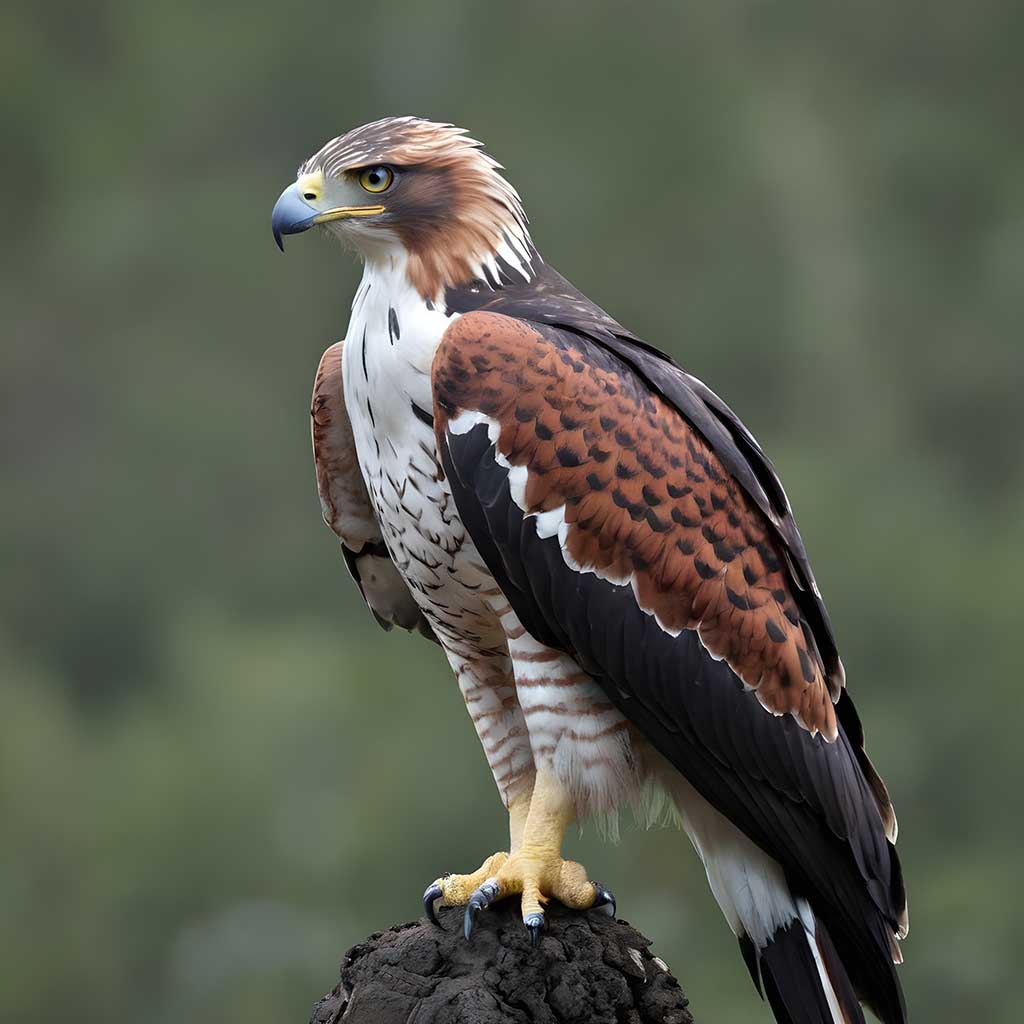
411,189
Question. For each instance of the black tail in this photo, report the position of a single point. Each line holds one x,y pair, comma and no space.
802,976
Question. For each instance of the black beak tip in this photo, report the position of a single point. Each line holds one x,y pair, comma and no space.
278,240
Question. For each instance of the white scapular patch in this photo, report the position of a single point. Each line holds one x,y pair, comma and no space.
549,523
467,419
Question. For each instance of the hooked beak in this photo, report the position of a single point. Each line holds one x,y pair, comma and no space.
292,214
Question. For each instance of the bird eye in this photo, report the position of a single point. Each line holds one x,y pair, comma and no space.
376,179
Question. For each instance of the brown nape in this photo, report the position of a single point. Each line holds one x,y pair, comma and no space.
450,207
447,221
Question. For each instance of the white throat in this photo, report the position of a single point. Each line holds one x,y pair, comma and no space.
392,336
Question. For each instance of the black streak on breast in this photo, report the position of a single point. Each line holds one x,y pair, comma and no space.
422,415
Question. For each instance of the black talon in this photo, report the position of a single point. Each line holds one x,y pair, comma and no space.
534,925
480,900
430,897
603,900
468,920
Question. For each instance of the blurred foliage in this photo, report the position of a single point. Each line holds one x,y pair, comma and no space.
215,772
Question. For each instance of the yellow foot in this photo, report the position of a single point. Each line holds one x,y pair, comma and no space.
455,890
538,877
534,869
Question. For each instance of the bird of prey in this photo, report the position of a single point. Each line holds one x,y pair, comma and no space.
609,563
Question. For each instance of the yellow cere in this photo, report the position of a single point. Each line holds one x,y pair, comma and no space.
311,186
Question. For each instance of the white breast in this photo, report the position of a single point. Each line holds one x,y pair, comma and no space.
389,349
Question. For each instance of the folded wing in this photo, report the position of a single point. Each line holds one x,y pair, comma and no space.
346,505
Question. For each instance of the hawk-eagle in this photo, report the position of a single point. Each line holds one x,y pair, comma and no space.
609,563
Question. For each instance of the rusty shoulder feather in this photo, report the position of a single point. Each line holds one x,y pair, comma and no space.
644,500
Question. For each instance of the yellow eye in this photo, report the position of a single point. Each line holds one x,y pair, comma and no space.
376,179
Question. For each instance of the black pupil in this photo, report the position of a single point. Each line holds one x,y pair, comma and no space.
376,177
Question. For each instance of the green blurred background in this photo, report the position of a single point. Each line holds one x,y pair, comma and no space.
216,773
